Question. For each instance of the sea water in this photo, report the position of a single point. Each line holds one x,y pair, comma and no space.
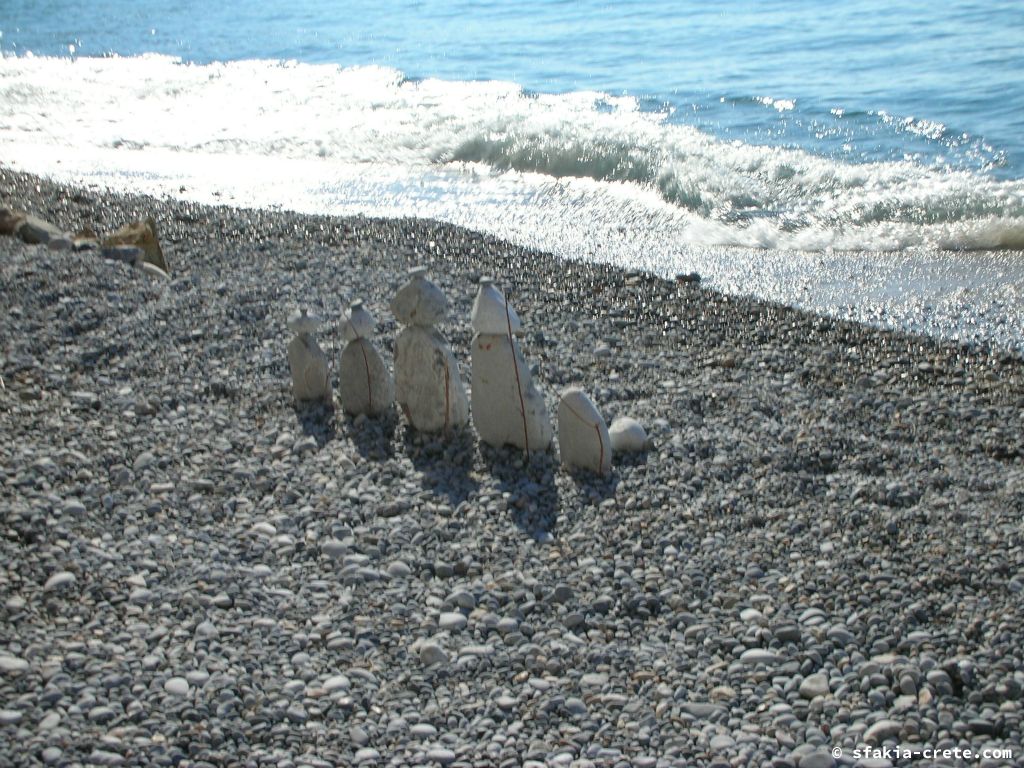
863,159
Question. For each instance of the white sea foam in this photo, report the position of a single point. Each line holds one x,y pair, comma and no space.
372,118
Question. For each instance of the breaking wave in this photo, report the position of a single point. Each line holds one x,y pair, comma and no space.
724,192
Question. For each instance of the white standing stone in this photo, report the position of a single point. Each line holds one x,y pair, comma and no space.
428,386
627,435
308,363
508,409
427,381
582,434
364,382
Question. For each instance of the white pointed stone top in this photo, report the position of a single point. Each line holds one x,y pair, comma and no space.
419,301
359,324
489,311
303,323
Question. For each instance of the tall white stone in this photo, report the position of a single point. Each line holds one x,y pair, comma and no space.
583,439
308,363
508,409
364,382
428,386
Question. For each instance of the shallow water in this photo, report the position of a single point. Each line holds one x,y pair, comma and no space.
827,145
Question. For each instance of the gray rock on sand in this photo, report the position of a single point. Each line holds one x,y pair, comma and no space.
142,233
12,665
60,242
627,435
814,685
428,386
583,439
307,361
127,254
432,653
508,409
34,230
365,385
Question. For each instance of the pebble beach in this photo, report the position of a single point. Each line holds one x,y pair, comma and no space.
821,551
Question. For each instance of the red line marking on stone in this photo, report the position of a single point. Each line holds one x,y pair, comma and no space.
369,391
447,397
519,386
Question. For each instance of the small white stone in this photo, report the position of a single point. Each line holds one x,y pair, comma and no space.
627,435
441,755
15,603
755,656
453,621
177,686
359,324
303,323
264,529
207,629
399,569
419,302
751,616
336,683
12,665
59,579
151,269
